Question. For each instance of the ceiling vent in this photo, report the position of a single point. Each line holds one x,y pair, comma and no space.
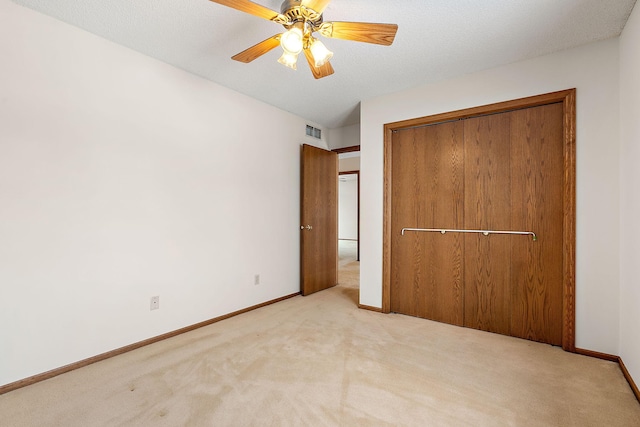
314,132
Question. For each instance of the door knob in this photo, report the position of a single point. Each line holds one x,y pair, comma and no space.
308,227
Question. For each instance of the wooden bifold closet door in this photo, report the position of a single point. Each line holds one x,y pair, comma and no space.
496,172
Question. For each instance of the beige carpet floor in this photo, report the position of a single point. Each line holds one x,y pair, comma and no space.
320,361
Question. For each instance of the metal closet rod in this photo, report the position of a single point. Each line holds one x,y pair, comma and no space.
485,232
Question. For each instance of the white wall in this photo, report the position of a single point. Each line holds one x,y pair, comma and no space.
593,70
348,207
346,136
630,195
122,178
349,164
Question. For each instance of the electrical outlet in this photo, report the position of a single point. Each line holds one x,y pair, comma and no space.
256,279
155,303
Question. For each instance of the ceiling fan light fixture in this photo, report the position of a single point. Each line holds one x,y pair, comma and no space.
301,19
321,55
289,59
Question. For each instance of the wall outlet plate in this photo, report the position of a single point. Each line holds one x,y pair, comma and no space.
155,303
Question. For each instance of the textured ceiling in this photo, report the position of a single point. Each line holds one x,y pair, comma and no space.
436,39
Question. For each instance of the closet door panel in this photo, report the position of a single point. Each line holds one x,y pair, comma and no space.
537,187
427,177
487,206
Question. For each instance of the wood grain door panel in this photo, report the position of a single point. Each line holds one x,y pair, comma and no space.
319,219
537,192
428,185
487,206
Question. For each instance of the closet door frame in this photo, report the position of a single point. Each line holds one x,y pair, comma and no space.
568,100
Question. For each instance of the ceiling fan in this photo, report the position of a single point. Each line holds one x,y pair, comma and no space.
302,18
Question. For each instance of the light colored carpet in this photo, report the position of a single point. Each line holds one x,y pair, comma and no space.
320,361
349,270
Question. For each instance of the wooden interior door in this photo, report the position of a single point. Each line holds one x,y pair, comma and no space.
501,172
319,220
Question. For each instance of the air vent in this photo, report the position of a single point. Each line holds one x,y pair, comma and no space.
314,132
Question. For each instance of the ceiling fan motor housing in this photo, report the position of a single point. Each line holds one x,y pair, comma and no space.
289,4
296,12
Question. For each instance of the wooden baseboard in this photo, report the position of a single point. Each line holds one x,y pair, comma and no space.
618,360
627,375
597,355
368,307
82,363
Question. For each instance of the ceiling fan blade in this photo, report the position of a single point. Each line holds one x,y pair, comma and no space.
258,50
253,9
318,72
383,34
317,5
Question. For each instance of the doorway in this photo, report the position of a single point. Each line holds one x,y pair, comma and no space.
349,222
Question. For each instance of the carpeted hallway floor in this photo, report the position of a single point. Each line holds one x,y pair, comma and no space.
320,361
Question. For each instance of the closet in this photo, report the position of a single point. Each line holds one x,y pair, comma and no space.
477,221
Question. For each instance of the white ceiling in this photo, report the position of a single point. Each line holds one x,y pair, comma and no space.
436,39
